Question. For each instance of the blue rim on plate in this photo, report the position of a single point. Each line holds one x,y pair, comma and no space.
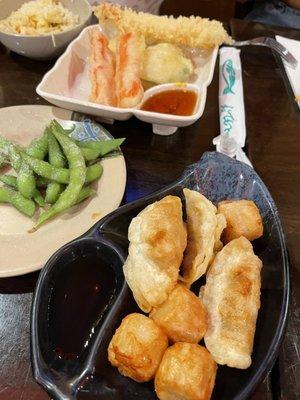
88,374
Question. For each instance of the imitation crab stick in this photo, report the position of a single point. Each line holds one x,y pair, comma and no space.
129,58
102,70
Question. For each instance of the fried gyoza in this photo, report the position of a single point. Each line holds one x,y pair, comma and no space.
129,65
187,372
137,347
204,230
157,239
243,219
232,299
182,316
102,70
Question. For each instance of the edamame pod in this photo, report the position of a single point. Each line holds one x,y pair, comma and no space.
61,175
46,170
38,147
103,147
26,181
77,176
84,193
11,180
56,156
12,153
25,206
54,189
57,159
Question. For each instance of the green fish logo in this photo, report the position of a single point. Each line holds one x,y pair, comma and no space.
228,73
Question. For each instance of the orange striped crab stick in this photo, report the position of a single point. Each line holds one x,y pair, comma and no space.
129,59
102,70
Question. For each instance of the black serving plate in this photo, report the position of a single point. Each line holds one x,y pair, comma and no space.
81,295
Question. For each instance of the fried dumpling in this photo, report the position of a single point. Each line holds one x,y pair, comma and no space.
182,316
187,372
204,230
232,299
157,237
243,219
137,347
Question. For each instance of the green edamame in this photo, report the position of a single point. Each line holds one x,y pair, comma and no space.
11,180
101,147
57,159
26,181
56,156
77,176
54,189
61,175
25,206
12,153
84,193
38,147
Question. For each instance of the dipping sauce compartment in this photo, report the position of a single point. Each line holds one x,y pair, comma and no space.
172,101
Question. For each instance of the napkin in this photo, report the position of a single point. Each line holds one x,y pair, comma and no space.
293,74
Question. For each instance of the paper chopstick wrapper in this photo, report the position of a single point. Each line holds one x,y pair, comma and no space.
232,136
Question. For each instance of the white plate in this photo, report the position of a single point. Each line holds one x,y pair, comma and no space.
67,85
293,73
22,252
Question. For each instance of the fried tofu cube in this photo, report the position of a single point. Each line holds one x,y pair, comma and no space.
137,347
187,372
182,316
243,219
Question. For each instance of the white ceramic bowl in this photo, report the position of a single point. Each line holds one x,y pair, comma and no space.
48,46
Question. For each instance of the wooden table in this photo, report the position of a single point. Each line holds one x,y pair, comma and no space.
273,144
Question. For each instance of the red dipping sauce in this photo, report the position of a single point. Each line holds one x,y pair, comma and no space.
174,102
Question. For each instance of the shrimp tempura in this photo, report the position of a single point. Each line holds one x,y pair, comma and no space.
102,70
129,61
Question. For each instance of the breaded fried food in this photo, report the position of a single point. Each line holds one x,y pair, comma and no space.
157,239
182,316
102,70
192,32
243,219
137,347
204,229
129,65
187,372
231,297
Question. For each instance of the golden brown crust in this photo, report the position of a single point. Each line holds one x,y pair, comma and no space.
187,372
243,219
193,31
182,316
204,228
232,299
157,241
137,347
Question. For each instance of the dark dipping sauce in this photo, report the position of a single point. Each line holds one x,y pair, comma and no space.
174,102
80,297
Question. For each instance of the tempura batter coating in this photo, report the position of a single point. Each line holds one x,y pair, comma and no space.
232,299
187,372
243,219
157,237
193,31
137,347
204,229
182,316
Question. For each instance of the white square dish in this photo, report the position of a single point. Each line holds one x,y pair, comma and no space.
67,85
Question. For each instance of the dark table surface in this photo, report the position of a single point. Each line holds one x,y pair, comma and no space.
273,145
